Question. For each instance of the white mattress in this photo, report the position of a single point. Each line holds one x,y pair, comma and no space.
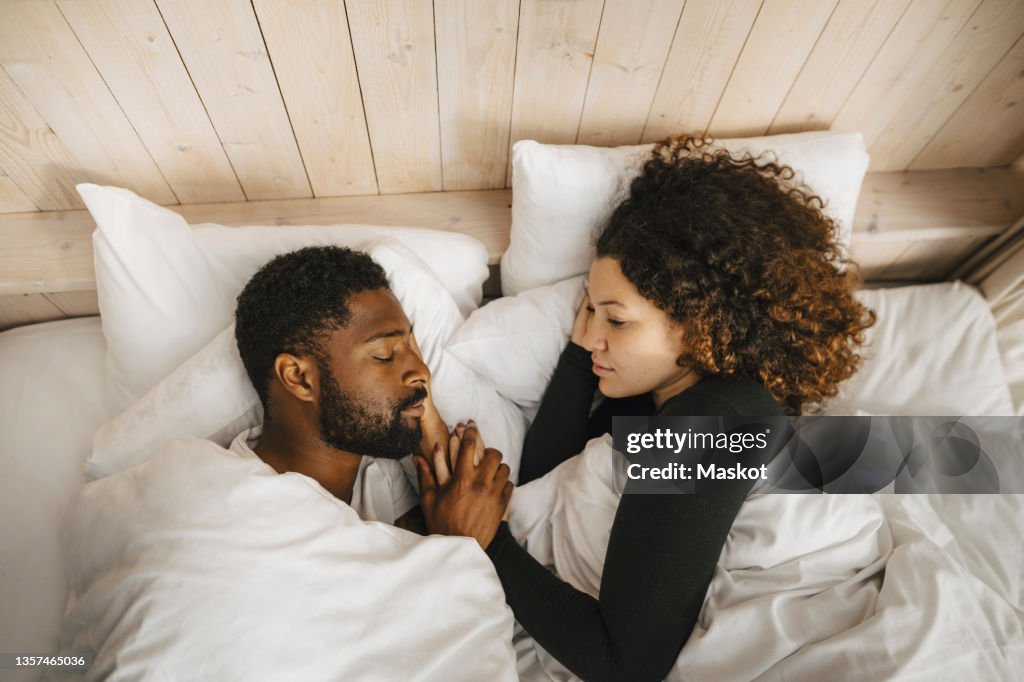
51,402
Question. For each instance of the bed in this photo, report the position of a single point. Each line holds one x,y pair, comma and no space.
958,349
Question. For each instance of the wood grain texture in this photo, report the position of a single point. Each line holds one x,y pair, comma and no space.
919,38
309,45
704,52
32,159
42,55
27,309
394,50
75,303
12,199
632,46
223,50
476,56
845,49
52,251
783,36
129,45
988,128
553,59
973,53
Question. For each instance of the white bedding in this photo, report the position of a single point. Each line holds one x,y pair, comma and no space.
51,402
205,564
813,587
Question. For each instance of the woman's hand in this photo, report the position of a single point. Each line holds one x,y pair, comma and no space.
474,499
583,316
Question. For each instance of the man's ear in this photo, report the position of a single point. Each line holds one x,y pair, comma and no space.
300,376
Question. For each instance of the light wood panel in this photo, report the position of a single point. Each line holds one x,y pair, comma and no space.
26,308
12,199
778,45
707,44
394,50
222,47
553,59
52,251
39,171
129,45
977,48
919,38
75,303
632,47
999,103
309,45
42,55
476,48
850,40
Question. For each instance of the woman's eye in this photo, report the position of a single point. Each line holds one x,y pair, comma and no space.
615,323
590,309
384,360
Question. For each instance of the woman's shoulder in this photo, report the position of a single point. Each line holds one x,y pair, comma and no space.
723,395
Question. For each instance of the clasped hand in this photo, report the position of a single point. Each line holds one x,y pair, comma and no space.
469,496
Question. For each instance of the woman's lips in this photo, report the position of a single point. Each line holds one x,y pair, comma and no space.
601,370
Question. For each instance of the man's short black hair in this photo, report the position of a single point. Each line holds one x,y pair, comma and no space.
294,302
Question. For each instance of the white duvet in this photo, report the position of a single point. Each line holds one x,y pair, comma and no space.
813,587
204,565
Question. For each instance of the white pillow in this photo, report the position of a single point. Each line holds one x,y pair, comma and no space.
514,342
166,290
932,352
210,395
563,195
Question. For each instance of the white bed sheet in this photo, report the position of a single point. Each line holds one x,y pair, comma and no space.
50,403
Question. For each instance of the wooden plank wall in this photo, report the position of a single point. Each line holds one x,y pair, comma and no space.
196,102
192,101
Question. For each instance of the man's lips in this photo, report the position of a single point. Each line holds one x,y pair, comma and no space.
416,410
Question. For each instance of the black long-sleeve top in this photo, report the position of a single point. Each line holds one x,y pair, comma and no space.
662,550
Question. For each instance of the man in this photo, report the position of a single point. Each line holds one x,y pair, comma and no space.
334,361
263,561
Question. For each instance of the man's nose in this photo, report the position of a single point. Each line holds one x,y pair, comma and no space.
417,372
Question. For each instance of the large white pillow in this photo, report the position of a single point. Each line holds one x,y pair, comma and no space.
563,195
933,350
210,395
165,289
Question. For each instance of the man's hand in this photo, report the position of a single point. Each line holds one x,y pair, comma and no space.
472,502
433,430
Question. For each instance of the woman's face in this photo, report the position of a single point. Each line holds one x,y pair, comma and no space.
633,344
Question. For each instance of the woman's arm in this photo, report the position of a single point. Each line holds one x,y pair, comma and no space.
559,430
661,555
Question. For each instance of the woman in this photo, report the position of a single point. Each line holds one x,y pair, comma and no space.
715,291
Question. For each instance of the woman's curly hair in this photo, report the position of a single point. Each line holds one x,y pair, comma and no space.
742,257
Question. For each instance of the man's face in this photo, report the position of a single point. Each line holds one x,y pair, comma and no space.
371,393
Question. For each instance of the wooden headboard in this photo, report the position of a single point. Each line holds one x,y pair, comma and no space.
405,111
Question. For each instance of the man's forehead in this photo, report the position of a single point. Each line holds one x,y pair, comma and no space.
373,313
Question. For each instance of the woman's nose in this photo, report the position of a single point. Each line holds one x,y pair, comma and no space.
594,339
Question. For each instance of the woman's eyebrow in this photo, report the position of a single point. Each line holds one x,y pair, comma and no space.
610,303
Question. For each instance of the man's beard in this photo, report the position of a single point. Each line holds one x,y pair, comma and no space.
365,428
